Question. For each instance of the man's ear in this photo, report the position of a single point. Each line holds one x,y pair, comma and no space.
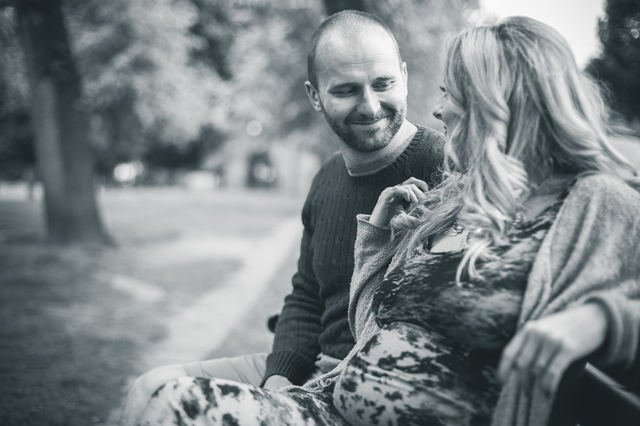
313,95
404,72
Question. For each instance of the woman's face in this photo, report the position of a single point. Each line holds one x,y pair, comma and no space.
445,111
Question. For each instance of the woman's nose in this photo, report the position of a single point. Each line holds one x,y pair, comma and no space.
437,112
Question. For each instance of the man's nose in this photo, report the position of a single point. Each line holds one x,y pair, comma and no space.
368,104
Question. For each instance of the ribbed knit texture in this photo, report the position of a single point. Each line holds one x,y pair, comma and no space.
314,317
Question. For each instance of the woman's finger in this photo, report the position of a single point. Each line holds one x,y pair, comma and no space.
393,195
525,359
550,380
509,355
417,191
403,193
417,182
542,364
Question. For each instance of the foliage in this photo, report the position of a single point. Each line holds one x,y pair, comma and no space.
216,30
619,64
135,60
16,150
167,72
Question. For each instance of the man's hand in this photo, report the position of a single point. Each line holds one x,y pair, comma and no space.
276,382
391,201
541,352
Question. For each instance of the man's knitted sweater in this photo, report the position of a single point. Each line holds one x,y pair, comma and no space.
314,317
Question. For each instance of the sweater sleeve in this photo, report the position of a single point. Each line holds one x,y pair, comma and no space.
373,254
621,349
295,344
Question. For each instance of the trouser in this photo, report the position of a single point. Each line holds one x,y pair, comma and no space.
247,369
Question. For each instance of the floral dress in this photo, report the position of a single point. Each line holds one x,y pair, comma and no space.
434,360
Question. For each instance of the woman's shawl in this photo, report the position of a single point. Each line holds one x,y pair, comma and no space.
591,252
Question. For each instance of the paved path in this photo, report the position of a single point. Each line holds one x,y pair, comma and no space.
201,327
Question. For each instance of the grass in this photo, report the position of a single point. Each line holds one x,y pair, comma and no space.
70,339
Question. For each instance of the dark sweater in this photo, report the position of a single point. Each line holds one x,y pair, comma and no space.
314,316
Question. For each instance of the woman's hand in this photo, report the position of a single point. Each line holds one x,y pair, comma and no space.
541,352
392,200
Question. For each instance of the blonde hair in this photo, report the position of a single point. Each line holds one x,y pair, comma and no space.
525,109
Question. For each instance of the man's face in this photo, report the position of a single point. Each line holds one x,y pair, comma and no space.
362,88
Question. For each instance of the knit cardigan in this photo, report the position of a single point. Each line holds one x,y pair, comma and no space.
590,253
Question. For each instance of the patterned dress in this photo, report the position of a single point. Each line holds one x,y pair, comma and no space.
434,360
432,363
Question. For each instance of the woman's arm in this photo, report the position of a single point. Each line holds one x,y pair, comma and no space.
374,249
542,350
587,271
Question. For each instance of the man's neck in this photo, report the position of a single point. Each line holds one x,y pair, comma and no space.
367,163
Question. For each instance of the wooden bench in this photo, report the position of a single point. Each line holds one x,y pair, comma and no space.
603,401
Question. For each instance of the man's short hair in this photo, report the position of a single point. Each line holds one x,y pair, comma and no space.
346,21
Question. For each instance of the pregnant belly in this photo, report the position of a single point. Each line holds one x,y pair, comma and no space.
405,375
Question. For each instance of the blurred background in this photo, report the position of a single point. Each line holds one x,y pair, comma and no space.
154,158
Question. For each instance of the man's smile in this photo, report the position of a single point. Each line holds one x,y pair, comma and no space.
367,122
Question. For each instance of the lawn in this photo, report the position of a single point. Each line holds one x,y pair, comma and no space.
71,338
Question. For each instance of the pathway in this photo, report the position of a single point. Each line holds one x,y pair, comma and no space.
200,328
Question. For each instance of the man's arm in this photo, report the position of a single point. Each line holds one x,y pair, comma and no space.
295,345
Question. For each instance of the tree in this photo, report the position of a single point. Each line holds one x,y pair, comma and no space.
619,64
334,6
16,148
60,124
147,78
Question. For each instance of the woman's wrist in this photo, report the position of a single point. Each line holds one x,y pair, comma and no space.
596,316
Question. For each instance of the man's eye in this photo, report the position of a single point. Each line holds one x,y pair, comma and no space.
342,92
384,86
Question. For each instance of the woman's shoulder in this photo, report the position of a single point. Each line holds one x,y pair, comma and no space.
606,190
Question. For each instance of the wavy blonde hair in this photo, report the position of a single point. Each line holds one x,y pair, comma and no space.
525,109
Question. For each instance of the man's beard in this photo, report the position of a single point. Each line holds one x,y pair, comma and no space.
372,140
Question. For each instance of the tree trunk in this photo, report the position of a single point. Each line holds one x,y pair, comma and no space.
60,124
333,6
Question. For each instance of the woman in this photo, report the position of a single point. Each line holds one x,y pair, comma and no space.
533,217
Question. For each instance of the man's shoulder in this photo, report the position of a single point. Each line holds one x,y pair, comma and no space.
336,160
328,172
429,131
334,164
430,137
426,154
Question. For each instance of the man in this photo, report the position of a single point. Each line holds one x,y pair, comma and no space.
358,81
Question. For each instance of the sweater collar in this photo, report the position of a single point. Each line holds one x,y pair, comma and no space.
368,163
